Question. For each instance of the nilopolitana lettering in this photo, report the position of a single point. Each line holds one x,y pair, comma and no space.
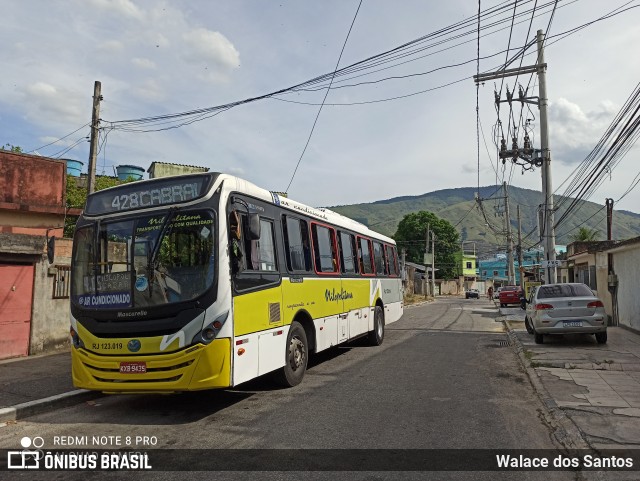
332,295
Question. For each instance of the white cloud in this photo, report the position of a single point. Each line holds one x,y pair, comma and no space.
111,46
124,8
150,89
574,132
43,98
208,46
239,171
144,63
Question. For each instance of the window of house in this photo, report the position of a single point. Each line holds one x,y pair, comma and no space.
469,265
324,251
62,282
348,249
495,273
484,273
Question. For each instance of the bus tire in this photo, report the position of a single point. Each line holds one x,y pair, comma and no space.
377,335
296,356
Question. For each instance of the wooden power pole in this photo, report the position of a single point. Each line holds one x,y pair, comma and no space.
93,146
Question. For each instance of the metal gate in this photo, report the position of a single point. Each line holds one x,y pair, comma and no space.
16,297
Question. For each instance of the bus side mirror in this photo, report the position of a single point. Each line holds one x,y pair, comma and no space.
51,249
254,227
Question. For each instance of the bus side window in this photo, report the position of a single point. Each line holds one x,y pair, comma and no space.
260,254
296,239
348,263
324,248
364,256
378,256
392,267
235,243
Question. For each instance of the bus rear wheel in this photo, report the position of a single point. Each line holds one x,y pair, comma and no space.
296,356
377,335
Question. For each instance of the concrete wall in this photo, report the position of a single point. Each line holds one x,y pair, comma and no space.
34,183
32,194
602,274
449,288
35,223
159,169
50,317
626,267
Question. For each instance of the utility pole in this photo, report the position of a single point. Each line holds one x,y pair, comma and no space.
93,146
525,155
404,265
520,262
609,204
547,185
433,264
426,257
510,271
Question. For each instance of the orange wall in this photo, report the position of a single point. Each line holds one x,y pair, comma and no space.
31,183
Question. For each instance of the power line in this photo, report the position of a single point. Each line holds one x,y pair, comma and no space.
385,57
325,97
58,140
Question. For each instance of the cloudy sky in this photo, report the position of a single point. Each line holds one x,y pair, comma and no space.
163,57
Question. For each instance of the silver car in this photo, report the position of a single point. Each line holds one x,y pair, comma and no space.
569,308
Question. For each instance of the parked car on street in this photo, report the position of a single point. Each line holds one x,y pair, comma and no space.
472,294
510,295
563,309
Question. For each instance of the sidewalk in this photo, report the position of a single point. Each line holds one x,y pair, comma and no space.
594,386
30,385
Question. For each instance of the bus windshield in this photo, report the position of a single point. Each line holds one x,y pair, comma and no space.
144,261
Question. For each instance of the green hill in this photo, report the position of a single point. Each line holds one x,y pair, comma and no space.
459,207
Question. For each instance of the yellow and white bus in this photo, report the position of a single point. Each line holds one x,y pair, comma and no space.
206,281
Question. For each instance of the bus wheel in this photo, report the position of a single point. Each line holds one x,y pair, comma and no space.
377,335
296,355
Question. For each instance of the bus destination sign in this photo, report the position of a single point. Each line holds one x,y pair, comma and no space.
150,194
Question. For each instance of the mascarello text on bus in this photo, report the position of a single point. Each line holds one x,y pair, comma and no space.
206,281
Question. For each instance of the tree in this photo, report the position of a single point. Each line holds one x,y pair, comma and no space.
77,197
411,235
584,234
11,148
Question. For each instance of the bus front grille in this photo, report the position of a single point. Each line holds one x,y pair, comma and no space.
149,369
166,379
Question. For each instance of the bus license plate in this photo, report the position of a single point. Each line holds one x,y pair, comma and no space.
572,323
133,367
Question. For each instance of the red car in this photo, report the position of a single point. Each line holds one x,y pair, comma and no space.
510,295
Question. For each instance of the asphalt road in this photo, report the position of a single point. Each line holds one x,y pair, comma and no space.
444,378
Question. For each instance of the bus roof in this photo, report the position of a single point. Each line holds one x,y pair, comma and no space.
320,213
232,183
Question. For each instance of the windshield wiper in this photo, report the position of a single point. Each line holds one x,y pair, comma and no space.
152,263
95,247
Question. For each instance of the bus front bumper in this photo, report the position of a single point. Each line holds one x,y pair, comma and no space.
190,369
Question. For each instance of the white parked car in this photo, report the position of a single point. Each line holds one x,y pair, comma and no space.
563,309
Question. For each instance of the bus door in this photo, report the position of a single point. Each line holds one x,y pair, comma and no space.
355,288
257,301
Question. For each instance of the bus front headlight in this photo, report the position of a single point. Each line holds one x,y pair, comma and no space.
75,338
210,331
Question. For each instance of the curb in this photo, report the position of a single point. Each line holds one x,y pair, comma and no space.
39,406
566,431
